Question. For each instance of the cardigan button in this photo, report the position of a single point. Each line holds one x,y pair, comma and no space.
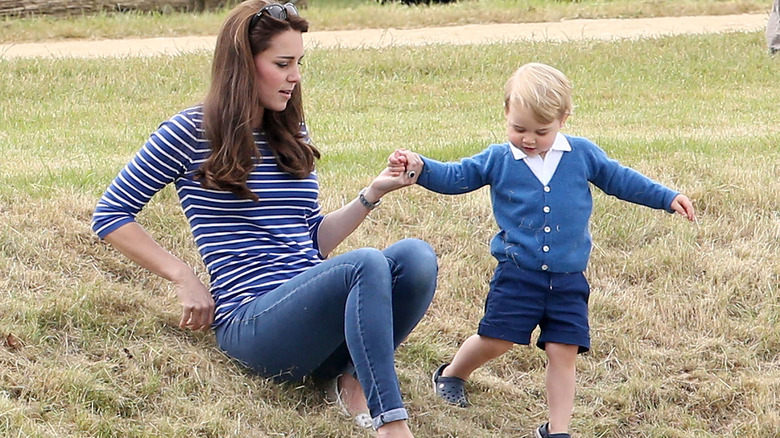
547,229
547,189
546,209
545,267
546,248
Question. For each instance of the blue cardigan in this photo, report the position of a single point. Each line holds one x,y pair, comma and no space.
544,228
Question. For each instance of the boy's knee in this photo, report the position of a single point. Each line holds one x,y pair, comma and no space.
496,346
561,352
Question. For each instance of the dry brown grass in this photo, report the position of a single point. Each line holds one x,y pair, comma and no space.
684,317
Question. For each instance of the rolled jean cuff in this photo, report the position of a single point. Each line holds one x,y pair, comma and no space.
390,416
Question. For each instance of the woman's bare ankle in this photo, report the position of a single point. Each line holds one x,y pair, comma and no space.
395,429
352,394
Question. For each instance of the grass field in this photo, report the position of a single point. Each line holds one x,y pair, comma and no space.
685,317
361,14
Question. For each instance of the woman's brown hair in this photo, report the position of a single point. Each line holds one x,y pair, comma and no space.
232,109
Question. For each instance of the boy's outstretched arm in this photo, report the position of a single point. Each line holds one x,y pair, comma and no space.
681,204
452,178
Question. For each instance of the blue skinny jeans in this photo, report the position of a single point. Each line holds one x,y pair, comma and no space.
347,314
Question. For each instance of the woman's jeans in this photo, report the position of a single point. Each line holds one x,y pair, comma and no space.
352,310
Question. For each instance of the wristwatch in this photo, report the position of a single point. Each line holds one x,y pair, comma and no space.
364,201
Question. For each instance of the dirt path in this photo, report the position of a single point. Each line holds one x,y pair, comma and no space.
604,29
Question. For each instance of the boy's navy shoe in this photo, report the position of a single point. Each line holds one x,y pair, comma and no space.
451,389
542,432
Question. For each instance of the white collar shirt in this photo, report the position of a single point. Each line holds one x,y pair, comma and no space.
544,168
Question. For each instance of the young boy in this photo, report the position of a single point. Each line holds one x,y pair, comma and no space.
539,182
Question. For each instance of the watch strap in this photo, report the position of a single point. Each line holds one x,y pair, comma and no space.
364,201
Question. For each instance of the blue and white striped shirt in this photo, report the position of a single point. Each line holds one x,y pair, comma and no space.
248,247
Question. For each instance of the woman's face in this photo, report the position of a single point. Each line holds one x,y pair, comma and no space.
278,69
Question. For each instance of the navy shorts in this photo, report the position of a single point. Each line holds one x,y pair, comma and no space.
521,299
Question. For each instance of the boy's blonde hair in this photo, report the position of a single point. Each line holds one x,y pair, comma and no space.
542,89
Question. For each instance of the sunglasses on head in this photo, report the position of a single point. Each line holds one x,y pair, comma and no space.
275,10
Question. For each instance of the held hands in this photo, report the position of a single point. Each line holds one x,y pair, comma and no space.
681,204
403,169
407,163
197,304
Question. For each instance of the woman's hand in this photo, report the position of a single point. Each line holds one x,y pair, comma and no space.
403,169
339,224
407,162
197,304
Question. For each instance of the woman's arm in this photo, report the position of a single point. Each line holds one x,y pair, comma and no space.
164,157
136,244
339,224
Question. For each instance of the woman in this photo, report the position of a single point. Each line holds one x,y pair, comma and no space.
243,167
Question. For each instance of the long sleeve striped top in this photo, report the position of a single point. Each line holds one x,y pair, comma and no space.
248,247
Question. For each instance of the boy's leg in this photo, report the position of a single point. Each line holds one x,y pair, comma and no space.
449,380
513,308
561,382
475,352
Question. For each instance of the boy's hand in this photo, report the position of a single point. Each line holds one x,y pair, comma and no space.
411,161
396,163
398,173
681,204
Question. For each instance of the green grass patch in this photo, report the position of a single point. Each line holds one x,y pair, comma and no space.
364,14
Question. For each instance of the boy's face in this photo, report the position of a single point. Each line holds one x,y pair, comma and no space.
532,137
